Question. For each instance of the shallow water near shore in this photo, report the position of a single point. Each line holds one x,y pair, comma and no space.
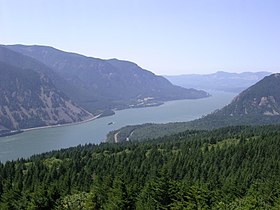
47,139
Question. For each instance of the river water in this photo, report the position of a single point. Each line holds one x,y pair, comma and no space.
43,140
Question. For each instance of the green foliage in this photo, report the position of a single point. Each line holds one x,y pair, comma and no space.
228,168
76,201
258,105
95,84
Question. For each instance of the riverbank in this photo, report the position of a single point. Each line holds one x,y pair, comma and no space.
10,133
33,142
15,132
62,125
105,113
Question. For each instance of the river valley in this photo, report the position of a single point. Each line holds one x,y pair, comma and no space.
42,140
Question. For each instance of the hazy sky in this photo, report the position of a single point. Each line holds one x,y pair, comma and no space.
163,36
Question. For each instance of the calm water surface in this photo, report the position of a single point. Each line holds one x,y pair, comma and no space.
43,140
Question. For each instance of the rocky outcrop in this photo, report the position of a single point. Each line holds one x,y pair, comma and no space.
106,84
29,99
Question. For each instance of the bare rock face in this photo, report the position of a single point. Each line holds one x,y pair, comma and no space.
29,99
257,105
263,98
105,84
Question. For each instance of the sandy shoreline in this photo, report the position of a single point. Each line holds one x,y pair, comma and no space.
61,125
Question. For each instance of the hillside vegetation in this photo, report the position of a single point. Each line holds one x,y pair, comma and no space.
228,168
257,105
106,84
54,87
29,99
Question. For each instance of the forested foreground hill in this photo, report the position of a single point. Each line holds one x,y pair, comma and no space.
228,168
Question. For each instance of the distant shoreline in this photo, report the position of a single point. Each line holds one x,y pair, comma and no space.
101,115
61,125
92,118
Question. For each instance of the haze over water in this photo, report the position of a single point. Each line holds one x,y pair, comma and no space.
43,140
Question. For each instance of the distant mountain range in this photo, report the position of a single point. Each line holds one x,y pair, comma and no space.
222,81
257,105
45,86
106,84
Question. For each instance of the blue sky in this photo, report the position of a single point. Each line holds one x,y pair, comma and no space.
163,36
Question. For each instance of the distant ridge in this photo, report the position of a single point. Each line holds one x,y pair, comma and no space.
261,99
257,105
107,84
42,86
222,81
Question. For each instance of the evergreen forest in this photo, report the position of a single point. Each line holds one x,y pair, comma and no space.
233,168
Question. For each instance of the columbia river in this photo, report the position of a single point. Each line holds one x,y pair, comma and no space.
43,140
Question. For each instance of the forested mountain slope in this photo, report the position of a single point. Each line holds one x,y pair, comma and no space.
29,99
263,98
58,79
228,168
257,105
21,61
106,84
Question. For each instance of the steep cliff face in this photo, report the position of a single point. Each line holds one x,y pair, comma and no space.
25,62
39,85
263,98
106,84
29,99
257,105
